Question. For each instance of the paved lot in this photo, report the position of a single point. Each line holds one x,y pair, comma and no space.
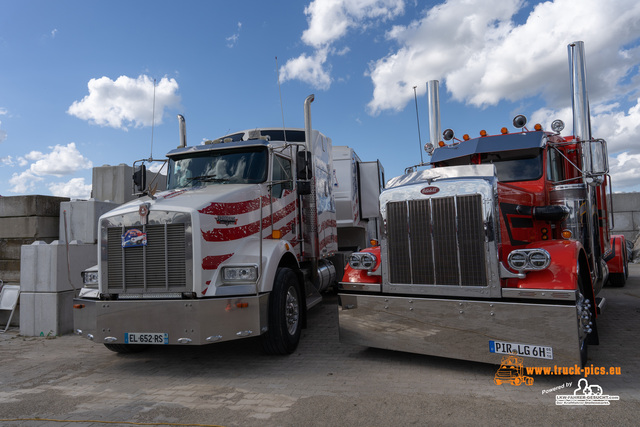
68,381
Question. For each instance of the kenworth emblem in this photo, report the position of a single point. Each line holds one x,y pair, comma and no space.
429,190
226,220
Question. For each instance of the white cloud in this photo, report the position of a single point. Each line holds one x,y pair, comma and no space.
73,189
23,182
308,69
625,170
233,39
60,161
126,102
484,57
329,21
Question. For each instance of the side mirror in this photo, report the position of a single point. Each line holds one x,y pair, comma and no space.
140,179
303,165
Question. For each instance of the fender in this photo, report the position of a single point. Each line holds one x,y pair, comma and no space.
361,276
249,253
562,273
617,260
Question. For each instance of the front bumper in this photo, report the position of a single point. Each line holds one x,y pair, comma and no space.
460,329
195,322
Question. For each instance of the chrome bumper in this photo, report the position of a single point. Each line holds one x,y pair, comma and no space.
193,322
459,329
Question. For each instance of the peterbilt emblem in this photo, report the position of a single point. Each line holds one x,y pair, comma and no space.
429,190
226,220
133,238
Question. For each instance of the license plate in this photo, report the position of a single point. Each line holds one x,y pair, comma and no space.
146,338
526,350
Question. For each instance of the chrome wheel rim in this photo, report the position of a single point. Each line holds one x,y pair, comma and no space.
292,311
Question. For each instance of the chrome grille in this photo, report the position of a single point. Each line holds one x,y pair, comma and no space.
437,241
157,267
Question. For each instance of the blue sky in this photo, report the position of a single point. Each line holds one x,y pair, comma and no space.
76,77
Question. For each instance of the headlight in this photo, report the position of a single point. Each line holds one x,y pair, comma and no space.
363,261
89,277
529,259
240,274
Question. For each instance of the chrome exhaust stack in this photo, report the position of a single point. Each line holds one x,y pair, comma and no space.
183,131
579,96
307,121
433,97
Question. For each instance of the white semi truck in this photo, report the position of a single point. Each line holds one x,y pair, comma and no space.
252,228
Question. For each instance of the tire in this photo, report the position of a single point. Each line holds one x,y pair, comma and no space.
618,280
285,314
127,348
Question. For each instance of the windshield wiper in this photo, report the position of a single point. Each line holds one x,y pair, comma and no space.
207,178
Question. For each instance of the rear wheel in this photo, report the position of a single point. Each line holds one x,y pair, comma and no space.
285,322
127,348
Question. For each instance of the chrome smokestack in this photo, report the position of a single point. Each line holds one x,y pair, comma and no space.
183,131
579,97
433,96
307,120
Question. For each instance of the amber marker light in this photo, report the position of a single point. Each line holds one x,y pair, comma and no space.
483,132
566,234
466,137
441,144
538,127
373,242
504,131
242,304
276,234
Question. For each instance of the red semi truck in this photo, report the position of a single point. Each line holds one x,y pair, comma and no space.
500,247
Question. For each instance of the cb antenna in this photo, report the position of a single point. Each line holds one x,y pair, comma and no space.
415,97
153,118
284,129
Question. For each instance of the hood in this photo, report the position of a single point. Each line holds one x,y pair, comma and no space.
193,198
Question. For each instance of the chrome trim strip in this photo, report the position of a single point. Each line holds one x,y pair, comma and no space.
370,287
547,294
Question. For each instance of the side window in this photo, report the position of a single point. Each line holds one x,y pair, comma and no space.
281,177
554,166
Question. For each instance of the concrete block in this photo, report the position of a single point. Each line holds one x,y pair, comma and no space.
46,314
626,202
82,219
43,268
10,248
115,183
623,221
30,206
9,270
31,227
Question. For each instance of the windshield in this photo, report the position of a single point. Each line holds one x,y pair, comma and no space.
516,165
239,166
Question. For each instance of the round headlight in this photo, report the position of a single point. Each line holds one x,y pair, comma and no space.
517,260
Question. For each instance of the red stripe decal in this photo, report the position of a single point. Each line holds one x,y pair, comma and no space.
212,262
234,233
236,208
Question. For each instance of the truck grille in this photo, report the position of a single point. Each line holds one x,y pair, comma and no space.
157,267
437,241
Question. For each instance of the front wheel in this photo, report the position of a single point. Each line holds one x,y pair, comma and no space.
285,322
